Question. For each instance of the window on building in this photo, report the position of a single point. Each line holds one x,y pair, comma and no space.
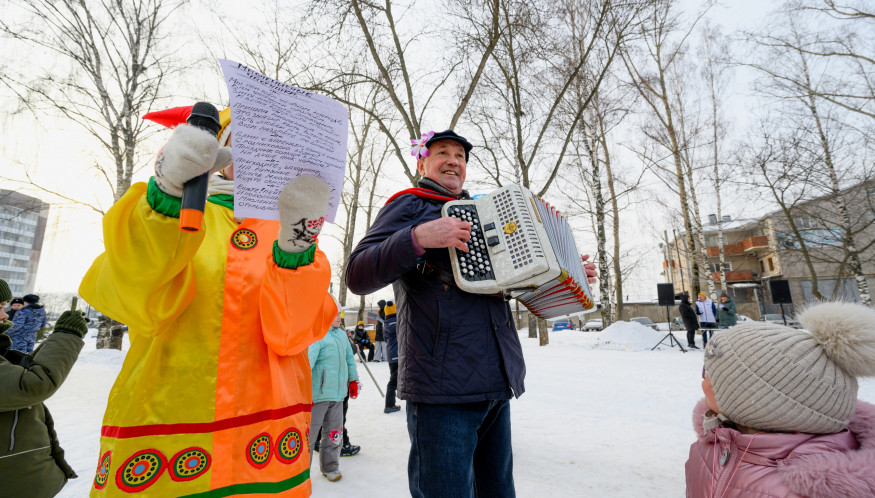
762,267
805,222
713,240
771,265
715,267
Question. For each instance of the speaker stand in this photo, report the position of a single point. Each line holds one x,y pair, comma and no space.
782,315
672,340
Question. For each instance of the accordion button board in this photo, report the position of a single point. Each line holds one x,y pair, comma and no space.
520,245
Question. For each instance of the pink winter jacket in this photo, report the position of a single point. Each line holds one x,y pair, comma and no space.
783,464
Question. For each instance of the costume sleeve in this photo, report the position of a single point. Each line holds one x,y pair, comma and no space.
145,279
296,309
386,252
24,387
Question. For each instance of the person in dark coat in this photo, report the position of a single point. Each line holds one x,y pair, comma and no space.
379,337
15,305
392,343
459,354
363,341
691,322
31,459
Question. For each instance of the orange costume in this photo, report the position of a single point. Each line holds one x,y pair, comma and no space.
214,395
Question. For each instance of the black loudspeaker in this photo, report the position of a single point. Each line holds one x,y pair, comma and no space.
780,290
666,294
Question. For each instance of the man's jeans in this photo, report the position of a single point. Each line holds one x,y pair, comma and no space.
460,451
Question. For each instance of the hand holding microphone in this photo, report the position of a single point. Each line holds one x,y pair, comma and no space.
188,159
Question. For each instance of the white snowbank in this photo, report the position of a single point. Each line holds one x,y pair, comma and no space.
629,336
593,422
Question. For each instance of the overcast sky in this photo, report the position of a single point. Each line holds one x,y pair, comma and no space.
62,153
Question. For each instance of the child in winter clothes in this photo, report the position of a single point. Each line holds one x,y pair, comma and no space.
334,375
780,416
27,322
31,459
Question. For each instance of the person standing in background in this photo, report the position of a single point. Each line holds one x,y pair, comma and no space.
15,305
691,323
392,343
727,312
27,322
707,312
379,337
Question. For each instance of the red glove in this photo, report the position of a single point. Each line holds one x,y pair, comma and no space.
354,389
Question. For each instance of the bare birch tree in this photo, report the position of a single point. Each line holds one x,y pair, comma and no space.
117,64
664,41
545,51
714,52
411,84
791,74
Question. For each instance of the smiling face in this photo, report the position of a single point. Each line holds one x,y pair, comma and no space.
445,164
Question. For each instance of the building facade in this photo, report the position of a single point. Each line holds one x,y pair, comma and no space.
22,230
771,247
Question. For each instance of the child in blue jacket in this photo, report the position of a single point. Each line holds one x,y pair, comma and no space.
334,375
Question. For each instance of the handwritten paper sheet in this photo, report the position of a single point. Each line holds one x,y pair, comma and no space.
281,132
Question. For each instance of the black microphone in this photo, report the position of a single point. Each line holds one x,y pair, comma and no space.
194,192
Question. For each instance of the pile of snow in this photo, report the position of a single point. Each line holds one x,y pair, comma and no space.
578,431
628,336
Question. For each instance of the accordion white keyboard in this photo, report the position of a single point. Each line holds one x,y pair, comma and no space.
512,249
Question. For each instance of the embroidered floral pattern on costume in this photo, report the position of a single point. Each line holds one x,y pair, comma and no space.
259,452
244,239
102,475
140,471
189,464
288,446
419,149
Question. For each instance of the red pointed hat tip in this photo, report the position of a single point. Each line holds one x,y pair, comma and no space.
170,118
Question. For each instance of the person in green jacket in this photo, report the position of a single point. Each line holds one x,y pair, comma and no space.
31,459
727,312
334,375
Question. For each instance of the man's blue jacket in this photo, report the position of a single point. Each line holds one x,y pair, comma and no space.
454,347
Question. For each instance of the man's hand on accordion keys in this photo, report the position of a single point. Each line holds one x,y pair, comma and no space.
589,268
443,232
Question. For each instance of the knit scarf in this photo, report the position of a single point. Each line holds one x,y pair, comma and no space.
437,187
219,185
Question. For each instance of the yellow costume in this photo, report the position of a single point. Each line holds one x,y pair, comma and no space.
214,396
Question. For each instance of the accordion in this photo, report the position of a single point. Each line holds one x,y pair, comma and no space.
521,247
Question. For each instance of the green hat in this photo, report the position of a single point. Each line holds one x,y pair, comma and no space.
5,293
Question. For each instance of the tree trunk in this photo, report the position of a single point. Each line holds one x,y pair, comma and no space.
543,333
109,333
533,325
702,253
839,203
613,313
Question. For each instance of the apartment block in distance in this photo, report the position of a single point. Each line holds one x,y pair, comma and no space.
771,247
22,230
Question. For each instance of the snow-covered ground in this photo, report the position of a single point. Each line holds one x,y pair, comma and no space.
602,416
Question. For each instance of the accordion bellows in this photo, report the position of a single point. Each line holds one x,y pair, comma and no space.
523,247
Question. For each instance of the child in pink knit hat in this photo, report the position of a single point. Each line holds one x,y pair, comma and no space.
781,416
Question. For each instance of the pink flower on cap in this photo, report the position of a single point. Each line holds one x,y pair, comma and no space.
419,149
